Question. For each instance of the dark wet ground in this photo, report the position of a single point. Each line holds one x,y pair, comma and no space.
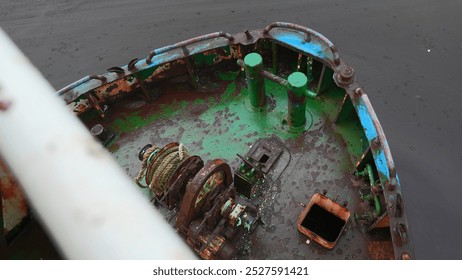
406,54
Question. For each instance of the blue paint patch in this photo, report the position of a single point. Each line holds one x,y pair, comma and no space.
297,41
371,133
366,122
381,163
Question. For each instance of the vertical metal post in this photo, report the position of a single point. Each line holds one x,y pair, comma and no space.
297,83
189,65
253,65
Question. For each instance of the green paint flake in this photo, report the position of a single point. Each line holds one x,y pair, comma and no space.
134,121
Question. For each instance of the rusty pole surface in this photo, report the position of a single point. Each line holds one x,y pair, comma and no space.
69,178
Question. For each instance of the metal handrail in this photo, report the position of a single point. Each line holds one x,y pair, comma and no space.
81,82
188,42
381,137
307,31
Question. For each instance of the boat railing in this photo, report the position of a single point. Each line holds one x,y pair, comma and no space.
82,81
188,42
308,32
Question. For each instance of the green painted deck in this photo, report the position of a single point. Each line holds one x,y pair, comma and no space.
218,121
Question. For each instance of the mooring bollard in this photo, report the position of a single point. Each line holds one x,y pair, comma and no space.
253,66
297,84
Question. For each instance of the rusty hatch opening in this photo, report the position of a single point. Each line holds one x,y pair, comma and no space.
323,223
323,220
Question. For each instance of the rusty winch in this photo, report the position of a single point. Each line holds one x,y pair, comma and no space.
210,216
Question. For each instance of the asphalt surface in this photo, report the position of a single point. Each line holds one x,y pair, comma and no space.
407,55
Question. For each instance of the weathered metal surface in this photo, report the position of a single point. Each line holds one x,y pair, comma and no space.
220,126
309,36
189,42
381,250
14,206
196,192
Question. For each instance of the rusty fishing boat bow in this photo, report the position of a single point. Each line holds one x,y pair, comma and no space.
256,145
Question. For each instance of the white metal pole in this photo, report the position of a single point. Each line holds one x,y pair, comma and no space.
90,207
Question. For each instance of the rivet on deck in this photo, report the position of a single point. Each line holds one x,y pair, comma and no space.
253,65
297,84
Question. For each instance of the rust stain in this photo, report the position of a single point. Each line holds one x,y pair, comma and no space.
4,105
380,250
12,197
7,182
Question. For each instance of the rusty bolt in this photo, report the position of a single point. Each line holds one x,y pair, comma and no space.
376,143
345,76
4,105
392,184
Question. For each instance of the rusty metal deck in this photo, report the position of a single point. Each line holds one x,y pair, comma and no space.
216,122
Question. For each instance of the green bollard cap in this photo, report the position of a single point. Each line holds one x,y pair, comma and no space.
297,80
253,59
